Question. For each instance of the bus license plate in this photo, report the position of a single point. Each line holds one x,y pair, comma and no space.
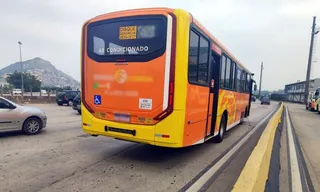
122,117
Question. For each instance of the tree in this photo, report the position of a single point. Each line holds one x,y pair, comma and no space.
6,88
29,80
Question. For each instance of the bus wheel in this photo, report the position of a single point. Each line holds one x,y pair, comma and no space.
222,129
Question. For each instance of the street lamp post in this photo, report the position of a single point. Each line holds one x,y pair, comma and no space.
260,79
40,87
22,88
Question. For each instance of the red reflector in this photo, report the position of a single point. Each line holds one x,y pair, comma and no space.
212,83
170,100
166,136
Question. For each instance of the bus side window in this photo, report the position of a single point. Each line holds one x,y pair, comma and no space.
203,64
193,57
222,71
233,76
248,83
198,66
239,72
242,82
228,74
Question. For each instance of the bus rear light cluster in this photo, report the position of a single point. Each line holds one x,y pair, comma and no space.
169,109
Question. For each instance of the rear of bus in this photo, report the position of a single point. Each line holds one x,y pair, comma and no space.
128,70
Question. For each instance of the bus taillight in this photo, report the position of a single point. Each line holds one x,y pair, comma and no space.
169,109
171,94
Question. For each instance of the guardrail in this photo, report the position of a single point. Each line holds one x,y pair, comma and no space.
255,173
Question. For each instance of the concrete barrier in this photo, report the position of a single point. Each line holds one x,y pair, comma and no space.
254,175
31,99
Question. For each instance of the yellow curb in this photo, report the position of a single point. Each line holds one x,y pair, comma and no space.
254,175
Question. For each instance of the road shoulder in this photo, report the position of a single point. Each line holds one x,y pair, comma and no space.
306,135
284,166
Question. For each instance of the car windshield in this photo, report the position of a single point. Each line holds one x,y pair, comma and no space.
61,93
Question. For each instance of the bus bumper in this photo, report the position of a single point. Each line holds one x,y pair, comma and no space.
164,133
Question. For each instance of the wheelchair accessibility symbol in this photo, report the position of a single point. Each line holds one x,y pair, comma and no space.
97,99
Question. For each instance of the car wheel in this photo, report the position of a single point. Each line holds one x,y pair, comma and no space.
32,126
59,104
222,130
79,111
318,109
70,103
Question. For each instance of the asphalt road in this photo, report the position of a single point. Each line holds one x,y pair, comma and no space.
63,158
306,125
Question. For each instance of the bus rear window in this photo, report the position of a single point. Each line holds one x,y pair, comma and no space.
126,38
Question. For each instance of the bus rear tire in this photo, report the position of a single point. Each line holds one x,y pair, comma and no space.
222,129
246,112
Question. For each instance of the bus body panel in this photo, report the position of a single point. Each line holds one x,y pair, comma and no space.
181,71
196,114
176,126
196,105
234,103
116,98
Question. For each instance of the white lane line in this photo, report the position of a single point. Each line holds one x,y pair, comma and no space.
205,177
294,166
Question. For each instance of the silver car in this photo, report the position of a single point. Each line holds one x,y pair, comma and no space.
15,117
266,100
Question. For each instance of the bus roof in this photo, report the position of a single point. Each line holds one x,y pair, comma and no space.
214,39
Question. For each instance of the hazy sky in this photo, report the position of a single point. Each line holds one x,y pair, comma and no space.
276,32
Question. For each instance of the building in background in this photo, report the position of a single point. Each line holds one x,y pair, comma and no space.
295,91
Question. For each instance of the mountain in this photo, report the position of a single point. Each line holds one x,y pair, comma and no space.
44,70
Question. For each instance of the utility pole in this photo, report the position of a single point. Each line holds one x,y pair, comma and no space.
307,86
260,79
22,88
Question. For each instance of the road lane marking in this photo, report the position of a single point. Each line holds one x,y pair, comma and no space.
197,185
296,184
256,171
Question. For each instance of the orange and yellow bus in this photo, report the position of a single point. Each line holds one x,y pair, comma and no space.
157,76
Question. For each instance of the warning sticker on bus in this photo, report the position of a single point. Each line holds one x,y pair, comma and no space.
128,32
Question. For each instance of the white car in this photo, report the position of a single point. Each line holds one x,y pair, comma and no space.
16,91
14,117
